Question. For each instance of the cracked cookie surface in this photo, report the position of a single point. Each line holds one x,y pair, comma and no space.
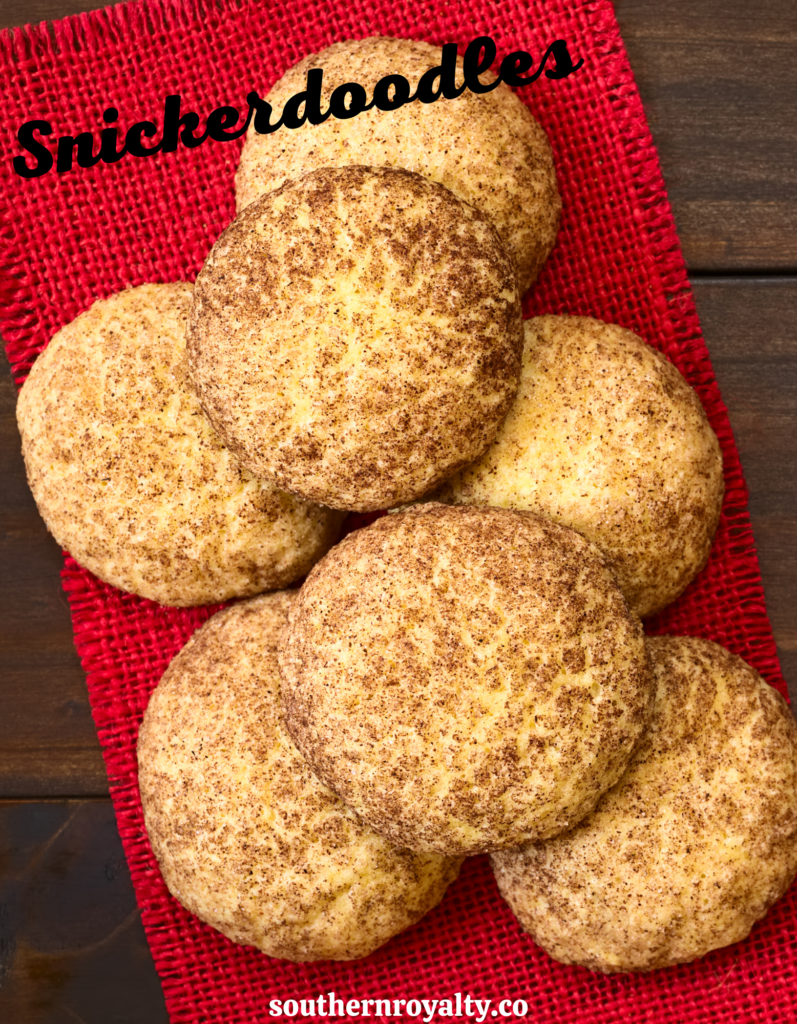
696,841
129,475
486,148
606,437
465,677
356,335
246,836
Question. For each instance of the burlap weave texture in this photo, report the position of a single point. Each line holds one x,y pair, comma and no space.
68,239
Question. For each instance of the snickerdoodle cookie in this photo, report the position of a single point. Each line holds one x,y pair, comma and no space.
692,846
606,437
247,838
131,479
465,678
486,148
356,336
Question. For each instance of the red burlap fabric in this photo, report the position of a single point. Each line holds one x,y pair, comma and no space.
67,240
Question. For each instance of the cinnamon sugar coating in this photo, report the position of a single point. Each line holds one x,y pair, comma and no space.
131,479
246,837
487,149
464,678
692,846
356,336
606,436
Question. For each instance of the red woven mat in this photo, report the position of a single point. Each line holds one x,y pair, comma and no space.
66,240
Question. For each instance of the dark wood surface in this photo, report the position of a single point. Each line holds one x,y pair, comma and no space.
719,83
72,947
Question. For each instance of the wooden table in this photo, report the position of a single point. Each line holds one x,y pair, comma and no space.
719,82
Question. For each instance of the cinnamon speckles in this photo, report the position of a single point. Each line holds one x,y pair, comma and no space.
606,437
465,677
246,837
692,846
356,335
487,149
131,479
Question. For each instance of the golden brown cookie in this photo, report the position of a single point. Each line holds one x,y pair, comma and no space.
486,148
465,678
131,479
356,336
246,837
692,846
606,437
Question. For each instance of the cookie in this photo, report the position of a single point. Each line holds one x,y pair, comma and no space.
246,837
131,479
486,148
692,846
356,335
606,437
465,678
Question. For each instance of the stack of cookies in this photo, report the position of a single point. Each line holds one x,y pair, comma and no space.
468,674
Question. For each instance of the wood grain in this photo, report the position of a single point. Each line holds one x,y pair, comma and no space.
718,80
48,743
749,328
72,947
30,12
